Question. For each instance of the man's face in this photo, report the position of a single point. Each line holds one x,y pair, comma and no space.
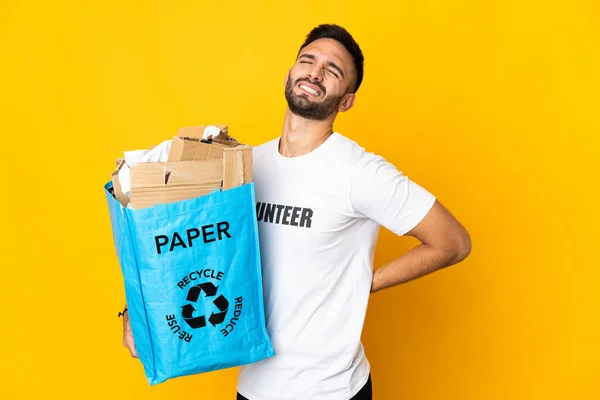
318,84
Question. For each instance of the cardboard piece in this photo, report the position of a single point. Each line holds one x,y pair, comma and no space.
189,150
224,139
160,183
237,166
237,158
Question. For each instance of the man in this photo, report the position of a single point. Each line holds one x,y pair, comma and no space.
321,200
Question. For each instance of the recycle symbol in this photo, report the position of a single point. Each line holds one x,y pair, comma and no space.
187,311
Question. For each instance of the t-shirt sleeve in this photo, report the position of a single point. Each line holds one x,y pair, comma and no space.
381,192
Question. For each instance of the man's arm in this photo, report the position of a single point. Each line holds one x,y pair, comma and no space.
444,242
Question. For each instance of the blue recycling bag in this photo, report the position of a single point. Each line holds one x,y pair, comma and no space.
193,283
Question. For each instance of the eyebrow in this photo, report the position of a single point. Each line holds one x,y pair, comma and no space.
329,63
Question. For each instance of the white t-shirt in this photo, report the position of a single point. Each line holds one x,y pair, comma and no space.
319,216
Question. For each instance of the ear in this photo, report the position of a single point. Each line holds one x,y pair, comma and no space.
347,103
287,77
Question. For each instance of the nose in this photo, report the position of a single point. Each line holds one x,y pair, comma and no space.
316,73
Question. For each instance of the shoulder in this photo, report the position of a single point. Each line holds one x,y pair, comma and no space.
352,155
348,151
347,145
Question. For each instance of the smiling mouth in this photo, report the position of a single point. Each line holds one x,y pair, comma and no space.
310,90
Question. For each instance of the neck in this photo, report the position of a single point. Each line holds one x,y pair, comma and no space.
301,136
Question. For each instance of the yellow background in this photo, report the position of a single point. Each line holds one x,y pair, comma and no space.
493,106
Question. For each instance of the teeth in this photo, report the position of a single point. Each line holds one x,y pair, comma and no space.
310,90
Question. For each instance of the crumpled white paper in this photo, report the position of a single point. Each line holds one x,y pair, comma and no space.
211,130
